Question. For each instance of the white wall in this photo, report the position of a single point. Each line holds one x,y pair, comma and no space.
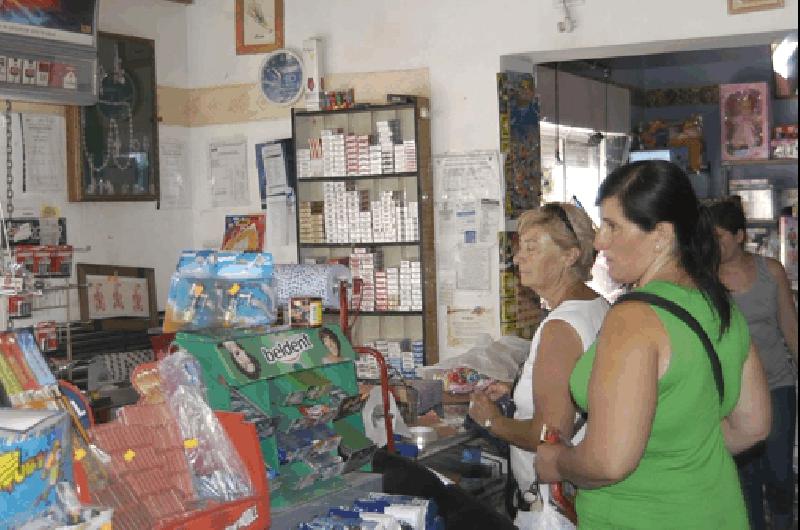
134,234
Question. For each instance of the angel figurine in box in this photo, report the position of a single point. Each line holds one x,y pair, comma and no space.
745,123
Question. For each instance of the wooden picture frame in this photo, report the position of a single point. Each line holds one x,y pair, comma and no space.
87,275
259,26
112,147
736,7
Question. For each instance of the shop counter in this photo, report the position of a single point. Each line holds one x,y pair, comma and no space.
357,484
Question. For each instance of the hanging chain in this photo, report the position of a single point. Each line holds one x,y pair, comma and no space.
9,163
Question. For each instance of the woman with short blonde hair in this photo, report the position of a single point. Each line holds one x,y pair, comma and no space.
554,258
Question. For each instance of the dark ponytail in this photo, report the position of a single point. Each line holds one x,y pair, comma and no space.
655,191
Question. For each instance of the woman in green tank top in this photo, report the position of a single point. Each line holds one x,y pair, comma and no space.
658,444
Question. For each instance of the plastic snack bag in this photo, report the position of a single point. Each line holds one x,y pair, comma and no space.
217,470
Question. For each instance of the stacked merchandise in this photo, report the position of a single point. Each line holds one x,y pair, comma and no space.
335,212
382,290
384,220
388,136
381,511
346,215
363,265
48,261
25,379
333,153
357,154
404,357
309,161
410,286
405,157
336,154
375,160
46,334
399,289
312,222
303,163
358,216
407,221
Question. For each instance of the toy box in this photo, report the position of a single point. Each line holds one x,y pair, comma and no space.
35,455
744,110
220,290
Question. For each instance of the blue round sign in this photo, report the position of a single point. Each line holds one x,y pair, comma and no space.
282,77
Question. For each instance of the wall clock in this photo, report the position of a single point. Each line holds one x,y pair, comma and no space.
281,77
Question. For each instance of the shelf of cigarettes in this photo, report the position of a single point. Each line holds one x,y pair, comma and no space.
19,70
336,154
346,215
386,289
404,356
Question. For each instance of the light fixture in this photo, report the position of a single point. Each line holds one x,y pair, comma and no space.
567,24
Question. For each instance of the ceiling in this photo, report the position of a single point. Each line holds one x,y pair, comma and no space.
682,68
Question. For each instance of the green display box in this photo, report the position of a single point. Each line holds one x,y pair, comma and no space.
270,370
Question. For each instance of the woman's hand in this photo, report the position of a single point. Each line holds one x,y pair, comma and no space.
497,390
482,409
547,462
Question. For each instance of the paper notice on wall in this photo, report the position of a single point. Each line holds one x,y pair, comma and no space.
464,325
280,220
175,184
446,292
227,171
474,175
473,267
488,220
466,220
44,143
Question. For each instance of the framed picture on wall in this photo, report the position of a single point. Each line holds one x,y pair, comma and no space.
117,298
112,151
736,7
259,26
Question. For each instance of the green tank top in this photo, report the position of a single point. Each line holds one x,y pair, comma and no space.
686,478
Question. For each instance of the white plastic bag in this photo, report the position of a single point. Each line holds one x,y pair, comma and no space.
548,518
217,471
496,359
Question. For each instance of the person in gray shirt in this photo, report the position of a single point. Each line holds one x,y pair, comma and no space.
760,287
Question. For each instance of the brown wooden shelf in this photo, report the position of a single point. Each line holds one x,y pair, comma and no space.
767,162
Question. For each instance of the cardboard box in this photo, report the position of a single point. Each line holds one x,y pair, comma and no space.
35,455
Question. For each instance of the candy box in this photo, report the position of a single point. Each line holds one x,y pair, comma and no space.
35,455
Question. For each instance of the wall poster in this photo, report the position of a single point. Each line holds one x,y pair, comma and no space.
70,21
519,141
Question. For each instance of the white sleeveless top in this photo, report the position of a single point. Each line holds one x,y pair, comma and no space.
586,317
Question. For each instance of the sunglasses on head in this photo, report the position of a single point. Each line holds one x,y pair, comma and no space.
558,211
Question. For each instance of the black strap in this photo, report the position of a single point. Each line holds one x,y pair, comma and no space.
690,321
